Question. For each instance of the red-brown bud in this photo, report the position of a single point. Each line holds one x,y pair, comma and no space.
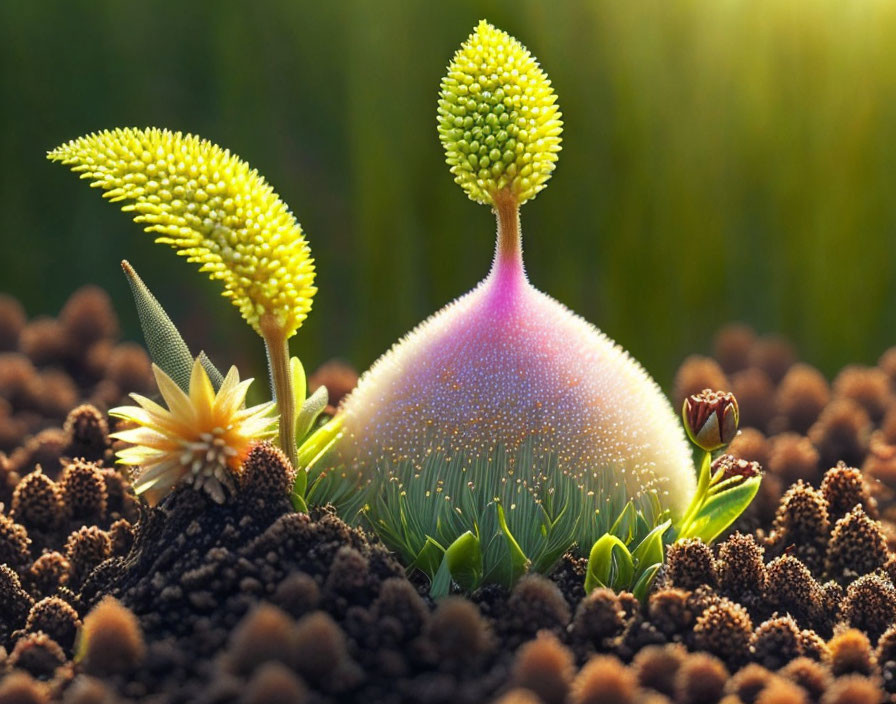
711,418
735,467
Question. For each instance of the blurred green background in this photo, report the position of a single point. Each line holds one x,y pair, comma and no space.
723,159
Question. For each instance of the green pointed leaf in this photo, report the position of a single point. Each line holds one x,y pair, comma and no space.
645,581
309,411
519,563
609,564
297,371
298,502
441,583
429,558
624,525
213,374
165,344
721,510
464,558
650,550
312,450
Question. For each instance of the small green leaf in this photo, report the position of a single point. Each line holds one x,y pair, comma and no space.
609,564
650,550
721,510
429,558
441,582
297,371
624,525
165,344
519,563
645,581
464,558
309,411
310,451
298,502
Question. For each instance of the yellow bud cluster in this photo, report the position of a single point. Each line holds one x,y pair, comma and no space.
498,118
211,207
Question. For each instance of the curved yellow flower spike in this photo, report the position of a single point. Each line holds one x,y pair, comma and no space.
498,118
211,207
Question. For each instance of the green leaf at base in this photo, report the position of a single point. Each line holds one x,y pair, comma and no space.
721,510
464,559
609,565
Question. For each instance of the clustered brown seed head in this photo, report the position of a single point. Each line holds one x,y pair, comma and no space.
801,397
793,458
36,501
802,515
857,546
37,654
732,345
536,604
604,679
870,604
48,572
19,687
599,618
656,666
111,640
867,386
87,433
56,618
841,432
774,355
700,679
809,674
776,642
725,629
740,566
546,667
83,489
14,543
849,651
458,631
267,471
747,683
670,610
43,450
791,588
85,549
844,488
690,564
755,395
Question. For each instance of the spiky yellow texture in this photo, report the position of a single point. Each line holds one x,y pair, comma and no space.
498,118
202,437
211,207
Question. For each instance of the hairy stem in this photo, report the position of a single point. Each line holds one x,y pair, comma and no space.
510,242
278,360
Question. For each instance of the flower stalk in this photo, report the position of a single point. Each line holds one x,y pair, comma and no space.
277,346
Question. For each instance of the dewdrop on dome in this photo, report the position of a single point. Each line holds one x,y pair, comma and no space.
506,368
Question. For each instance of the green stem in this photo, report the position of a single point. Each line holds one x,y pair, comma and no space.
278,359
697,502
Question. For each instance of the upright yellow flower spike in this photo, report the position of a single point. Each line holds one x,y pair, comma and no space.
211,207
498,118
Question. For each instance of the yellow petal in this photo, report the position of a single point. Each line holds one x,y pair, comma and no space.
178,402
202,393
